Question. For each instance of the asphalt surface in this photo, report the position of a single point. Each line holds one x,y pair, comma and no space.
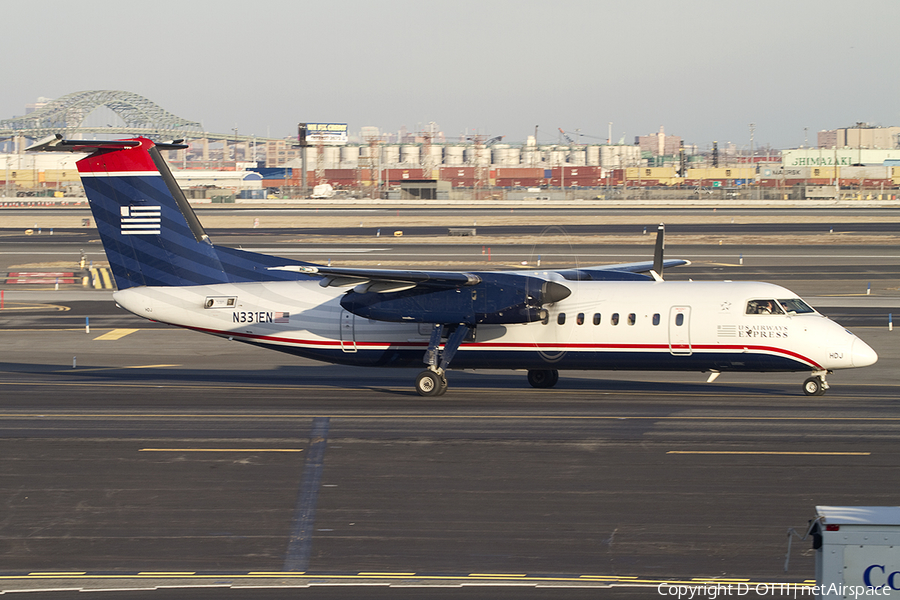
167,458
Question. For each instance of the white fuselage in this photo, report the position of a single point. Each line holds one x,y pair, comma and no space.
659,325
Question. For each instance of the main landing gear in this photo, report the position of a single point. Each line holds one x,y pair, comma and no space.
815,385
543,378
433,380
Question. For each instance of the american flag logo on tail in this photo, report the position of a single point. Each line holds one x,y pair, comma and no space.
141,220
282,317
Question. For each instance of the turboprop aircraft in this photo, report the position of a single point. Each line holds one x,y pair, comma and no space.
613,317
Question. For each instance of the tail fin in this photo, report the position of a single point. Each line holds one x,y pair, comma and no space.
149,230
658,262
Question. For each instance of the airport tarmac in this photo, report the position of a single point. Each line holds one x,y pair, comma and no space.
185,458
140,455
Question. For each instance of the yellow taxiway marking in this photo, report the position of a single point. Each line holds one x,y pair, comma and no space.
22,306
56,574
115,369
630,581
220,450
772,452
498,575
115,334
377,574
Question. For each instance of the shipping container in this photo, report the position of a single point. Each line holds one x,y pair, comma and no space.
865,172
722,173
650,173
520,182
516,172
448,173
464,182
399,175
345,174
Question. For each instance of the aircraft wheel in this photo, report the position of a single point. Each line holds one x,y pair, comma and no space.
429,383
813,387
543,378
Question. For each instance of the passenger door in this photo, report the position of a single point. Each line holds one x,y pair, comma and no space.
680,330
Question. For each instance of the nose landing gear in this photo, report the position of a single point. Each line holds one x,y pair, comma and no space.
431,383
815,385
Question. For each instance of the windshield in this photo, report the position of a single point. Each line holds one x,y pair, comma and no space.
796,305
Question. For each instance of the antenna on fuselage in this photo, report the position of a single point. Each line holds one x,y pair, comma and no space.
657,272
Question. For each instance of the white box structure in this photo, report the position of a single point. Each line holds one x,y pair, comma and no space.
857,551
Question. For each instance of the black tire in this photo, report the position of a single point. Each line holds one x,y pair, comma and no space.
543,378
813,387
429,383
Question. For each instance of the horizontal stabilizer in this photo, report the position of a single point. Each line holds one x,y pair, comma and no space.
56,143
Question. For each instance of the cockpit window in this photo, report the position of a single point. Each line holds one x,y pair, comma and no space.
763,307
796,305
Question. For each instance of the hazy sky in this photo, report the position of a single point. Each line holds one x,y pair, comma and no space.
705,69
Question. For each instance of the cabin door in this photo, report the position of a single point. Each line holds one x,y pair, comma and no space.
680,330
348,331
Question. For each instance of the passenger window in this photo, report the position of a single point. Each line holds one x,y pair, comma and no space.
763,307
615,319
561,319
631,318
596,318
656,319
580,319
679,319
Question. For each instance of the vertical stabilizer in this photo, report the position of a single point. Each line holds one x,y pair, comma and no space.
147,238
658,252
149,230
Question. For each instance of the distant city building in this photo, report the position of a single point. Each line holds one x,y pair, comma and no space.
862,135
368,132
659,144
41,102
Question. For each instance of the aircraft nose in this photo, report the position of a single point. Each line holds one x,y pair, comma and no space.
862,354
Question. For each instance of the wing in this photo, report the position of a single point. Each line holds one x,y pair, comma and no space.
621,271
629,271
384,280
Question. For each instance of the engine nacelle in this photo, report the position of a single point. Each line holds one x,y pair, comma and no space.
499,299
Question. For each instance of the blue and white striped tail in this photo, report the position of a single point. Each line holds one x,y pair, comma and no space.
149,231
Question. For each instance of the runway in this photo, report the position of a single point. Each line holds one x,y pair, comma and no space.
140,455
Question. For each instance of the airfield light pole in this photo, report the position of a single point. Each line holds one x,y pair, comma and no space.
302,144
752,131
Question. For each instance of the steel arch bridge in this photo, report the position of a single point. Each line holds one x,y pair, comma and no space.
65,115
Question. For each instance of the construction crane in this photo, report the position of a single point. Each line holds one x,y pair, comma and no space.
566,135
580,135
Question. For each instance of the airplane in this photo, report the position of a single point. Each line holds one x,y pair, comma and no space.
611,317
